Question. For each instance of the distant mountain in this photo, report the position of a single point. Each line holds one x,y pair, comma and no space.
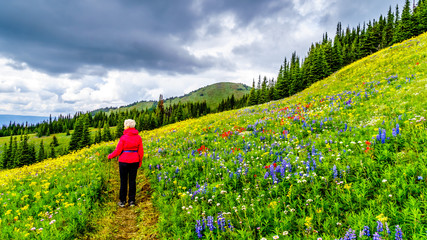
212,94
20,119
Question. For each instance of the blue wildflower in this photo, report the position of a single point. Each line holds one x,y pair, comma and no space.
377,236
366,231
399,234
420,178
334,169
210,223
199,229
379,226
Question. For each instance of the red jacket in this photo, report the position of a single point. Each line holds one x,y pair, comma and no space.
129,149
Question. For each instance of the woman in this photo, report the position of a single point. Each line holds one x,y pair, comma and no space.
130,152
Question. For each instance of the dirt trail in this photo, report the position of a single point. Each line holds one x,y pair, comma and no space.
138,222
126,219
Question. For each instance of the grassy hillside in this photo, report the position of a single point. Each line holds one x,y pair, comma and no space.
212,94
346,155
309,166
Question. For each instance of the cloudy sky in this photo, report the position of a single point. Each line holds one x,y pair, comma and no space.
59,57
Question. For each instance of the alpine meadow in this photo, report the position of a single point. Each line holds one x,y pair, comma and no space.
344,158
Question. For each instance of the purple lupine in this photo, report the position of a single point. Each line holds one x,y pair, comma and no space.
366,231
379,135
379,226
177,170
393,132
199,229
230,226
221,222
335,171
266,175
377,236
350,235
383,136
399,234
210,223
397,128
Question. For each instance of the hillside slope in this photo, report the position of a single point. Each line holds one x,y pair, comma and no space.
347,153
346,156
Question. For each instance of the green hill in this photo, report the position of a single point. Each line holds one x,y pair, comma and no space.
212,94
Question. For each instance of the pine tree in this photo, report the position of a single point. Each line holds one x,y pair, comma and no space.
76,137
24,157
85,139
253,100
4,157
41,153
387,39
106,133
404,29
160,111
52,153
120,127
55,141
98,136
420,17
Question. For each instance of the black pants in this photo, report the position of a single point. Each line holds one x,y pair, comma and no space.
128,171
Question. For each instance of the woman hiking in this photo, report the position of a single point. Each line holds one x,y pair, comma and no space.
130,152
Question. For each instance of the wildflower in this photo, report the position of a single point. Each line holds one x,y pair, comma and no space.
199,229
276,237
285,233
420,178
379,226
399,234
366,231
377,236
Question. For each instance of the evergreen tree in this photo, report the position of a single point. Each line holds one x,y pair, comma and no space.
160,111
41,153
55,141
76,137
98,136
24,157
253,100
106,134
85,139
4,157
120,127
420,17
52,153
404,29
387,39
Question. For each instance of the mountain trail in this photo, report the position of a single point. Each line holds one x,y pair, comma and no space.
138,222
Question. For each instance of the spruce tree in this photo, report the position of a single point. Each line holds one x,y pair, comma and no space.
55,141
41,153
404,29
106,134
77,135
4,157
85,139
120,127
52,153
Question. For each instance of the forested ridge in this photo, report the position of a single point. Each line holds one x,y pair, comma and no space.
323,58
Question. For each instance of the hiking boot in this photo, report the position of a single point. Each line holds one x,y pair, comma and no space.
121,204
132,203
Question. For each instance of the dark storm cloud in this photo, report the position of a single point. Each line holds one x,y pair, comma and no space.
67,36
63,36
